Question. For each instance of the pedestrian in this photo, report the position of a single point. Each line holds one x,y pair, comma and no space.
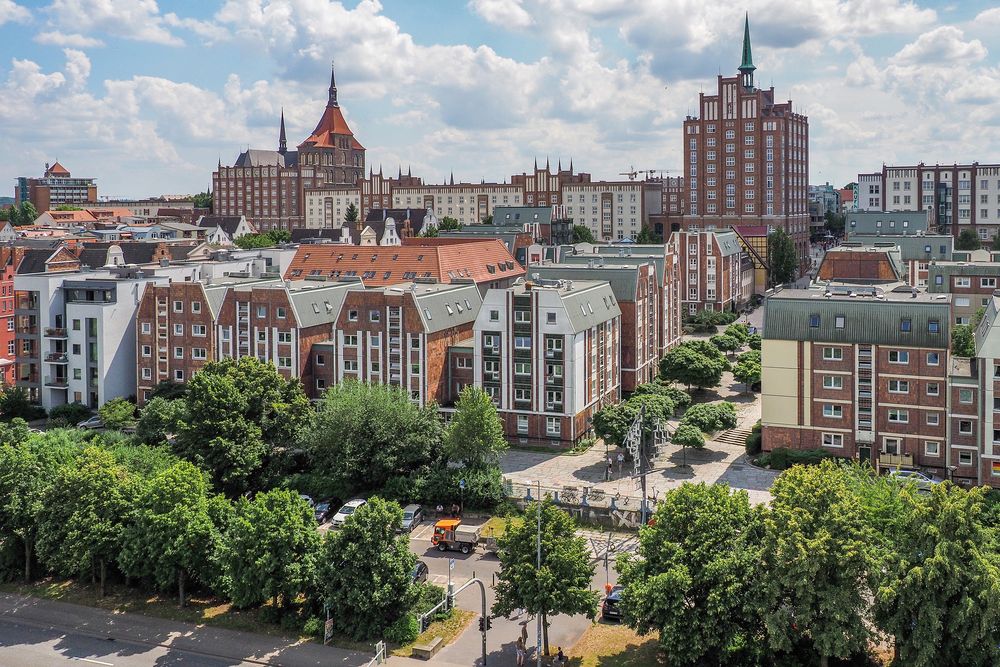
560,659
621,462
454,510
440,510
519,651
607,473
524,633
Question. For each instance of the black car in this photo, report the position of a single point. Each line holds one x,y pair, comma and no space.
420,572
321,510
611,607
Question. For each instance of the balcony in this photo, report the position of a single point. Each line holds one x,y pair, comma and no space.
895,460
55,332
56,358
57,382
29,331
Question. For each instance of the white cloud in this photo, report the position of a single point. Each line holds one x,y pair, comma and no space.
942,45
57,38
10,11
987,17
209,31
504,13
77,68
138,20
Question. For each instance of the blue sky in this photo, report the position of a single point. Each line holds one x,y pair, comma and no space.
148,96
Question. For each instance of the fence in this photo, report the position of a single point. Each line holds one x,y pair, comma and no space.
586,503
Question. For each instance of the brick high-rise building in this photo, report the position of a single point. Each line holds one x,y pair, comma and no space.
747,159
56,187
269,187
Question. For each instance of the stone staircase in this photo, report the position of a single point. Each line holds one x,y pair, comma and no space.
736,437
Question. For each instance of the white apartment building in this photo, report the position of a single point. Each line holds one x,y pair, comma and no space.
612,211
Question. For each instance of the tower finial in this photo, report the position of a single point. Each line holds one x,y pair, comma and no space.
333,86
282,143
746,65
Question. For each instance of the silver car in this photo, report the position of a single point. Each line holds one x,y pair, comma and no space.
922,481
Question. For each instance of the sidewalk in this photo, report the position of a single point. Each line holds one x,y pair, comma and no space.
143,630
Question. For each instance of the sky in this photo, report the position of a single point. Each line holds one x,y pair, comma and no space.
148,96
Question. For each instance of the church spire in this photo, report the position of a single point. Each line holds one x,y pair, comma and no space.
746,66
333,87
282,143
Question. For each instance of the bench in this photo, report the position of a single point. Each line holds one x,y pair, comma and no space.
427,650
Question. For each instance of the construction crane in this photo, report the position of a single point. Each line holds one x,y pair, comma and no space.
651,173
631,174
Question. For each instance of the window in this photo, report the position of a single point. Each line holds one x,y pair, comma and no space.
522,342
178,329
522,395
178,375
932,448
963,282
147,351
906,325
933,389
494,316
554,370
199,353
814,321
550,318
553,398
838,322
899,416
320,360
965,396
195,306
933,419
833,411
522,316
284,336
147,373
178,306
351,340
899,357
933,358
262,336
890,446
178,353
522,368
965,426
284,362
375,340
522,423
199,330
833,382
352,316
351,365
988,282
833,353
554,344
146,327
261,312
899,386
76,325
833,440
552,426
279,312
965,458
933,326
320,383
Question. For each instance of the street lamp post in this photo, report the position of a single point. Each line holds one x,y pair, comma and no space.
538,542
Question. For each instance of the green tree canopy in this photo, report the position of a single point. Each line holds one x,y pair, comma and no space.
81,519
117,413
202,200
782,257
815,551
747,369
688,435
582,234
23,214
648,236
364,574
968,240
475,435
364,434
937,588
269,549
695,363
612,422
995,245
448,224
352,214
16,404
170,537
689,581
159,418
561,585
727,344
963,340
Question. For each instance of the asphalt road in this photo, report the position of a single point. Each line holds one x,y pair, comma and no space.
24,645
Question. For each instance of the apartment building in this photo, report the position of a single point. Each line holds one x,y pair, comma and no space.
400,336
56,187
716,272
549,353
971,285
637,292
7,341
181,326
916,252
985,368
866,373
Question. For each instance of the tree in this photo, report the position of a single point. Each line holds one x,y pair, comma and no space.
747,369
690,581
963,341
82,515
352,214
612,422
968,240
835,223
782,257
582,234
159,419
754,341
995,246
449,224
24,214
690,365
816,556
117,413
269,549
475,435
561,585
5,212
169,390
365,434
365,571
688,435
647,236
237,410
937,588
16,404
726,343
170,537
680,398
739,331
202,200
487,219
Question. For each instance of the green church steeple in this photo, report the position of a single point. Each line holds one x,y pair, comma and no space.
747,67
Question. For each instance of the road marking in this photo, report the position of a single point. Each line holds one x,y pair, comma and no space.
96,662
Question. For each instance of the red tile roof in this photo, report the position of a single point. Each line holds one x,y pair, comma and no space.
58,170
378,266
332,123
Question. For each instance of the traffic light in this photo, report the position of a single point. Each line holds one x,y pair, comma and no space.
485,623
489,622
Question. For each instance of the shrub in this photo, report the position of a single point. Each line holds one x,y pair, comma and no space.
313,627
68,414
754,341
740,332
784,458
429,596
15,404
484,487
404,631
753,441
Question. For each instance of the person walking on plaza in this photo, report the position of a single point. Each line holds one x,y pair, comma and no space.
621,463
519,652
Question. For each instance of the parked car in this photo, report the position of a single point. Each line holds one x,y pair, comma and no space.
420,572
923,482
92,422
347,510
308,499
322,510
610,608
412,516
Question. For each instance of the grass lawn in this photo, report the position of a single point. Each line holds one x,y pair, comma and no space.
612,645
497,525
447,630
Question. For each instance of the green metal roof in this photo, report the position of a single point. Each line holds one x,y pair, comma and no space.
747,63
622,278
911,247
866,320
